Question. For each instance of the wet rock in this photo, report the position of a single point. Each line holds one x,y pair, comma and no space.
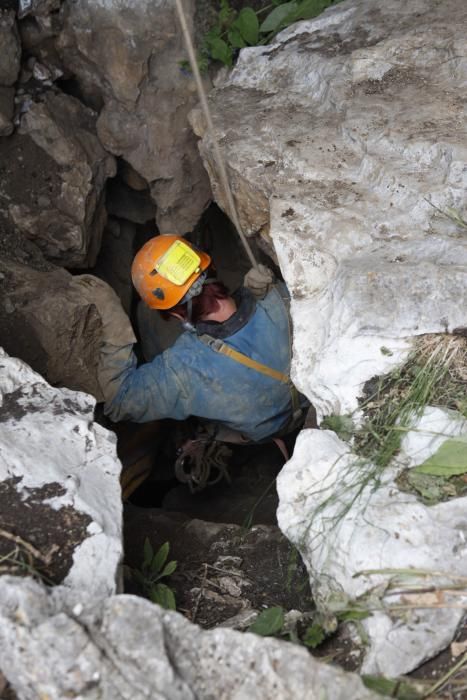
223,570
10,56
7,105
53,174
125,647
59,487
130,60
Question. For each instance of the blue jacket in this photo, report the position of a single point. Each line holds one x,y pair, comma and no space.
192,379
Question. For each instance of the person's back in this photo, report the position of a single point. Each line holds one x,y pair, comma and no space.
193,379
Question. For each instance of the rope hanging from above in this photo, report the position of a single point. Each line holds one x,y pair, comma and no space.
207,113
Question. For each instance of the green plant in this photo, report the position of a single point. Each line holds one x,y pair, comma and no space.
398,688
153,569
272,623
235,30
269,622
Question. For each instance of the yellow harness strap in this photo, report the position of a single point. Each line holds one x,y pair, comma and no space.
249,362
217,345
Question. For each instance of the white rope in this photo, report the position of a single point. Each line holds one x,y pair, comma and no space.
207,114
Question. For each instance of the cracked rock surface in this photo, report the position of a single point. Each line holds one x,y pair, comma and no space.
125,648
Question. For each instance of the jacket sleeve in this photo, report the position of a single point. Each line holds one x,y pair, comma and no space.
152,391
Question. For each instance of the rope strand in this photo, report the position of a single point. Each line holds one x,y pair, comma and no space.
207,113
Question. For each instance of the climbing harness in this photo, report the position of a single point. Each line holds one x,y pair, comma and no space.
202,462
207,114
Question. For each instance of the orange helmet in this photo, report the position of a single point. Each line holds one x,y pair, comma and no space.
165,269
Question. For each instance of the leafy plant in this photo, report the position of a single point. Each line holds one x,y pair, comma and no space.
269,622
272,622
235,30
153,569
343,426
314,635
450,459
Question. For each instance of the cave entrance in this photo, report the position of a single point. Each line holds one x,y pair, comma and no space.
218,535
148,451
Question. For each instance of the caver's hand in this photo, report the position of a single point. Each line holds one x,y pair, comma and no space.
259,280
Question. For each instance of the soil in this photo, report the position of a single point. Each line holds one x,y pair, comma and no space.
26,521
223,570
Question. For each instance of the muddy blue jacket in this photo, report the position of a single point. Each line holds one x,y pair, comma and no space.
192,379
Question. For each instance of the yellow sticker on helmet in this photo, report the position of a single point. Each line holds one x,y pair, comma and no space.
178,263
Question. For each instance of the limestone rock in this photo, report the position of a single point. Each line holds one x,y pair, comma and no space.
335,154
334,151
128,55
56,193
383,530
10,56
38,35
59,486
127,648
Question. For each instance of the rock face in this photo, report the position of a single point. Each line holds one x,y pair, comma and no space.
384,530
38,8
125,647
339,157
59,487
336,155
127,56
56,194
